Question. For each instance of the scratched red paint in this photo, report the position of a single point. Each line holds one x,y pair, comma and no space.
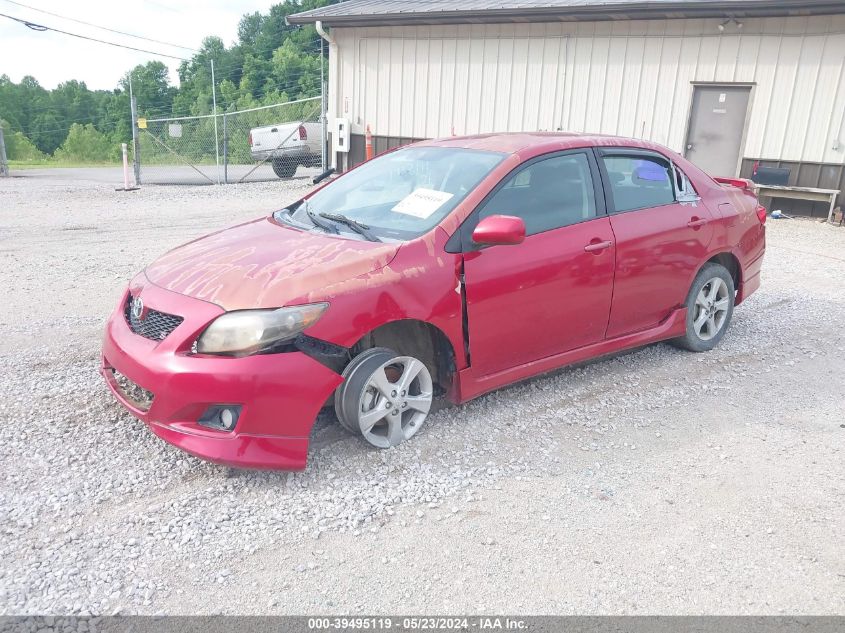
261,264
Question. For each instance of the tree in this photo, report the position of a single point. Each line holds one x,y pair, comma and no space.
18,146
295,72
249,29
85,144
270,62
151,88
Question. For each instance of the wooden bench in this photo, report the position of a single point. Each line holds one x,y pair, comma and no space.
800,193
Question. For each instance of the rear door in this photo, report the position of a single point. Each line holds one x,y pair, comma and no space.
551,293
660,238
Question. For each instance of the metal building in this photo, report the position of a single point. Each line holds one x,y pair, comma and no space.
730,84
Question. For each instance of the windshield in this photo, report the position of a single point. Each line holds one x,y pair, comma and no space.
403,194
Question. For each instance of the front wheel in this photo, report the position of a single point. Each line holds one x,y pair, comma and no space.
385,398
710,306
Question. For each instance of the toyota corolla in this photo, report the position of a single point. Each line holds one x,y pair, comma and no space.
437,272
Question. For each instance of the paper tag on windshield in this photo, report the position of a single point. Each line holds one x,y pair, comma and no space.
422,203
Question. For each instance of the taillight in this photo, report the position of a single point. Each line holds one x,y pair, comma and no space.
303,135
761,213
250,139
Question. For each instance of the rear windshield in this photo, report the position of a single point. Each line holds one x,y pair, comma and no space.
405,193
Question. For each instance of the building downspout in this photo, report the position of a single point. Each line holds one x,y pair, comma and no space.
323,33
318,25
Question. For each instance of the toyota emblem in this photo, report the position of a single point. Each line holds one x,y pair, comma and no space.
137,307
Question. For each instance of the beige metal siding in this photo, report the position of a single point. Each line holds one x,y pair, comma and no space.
627,78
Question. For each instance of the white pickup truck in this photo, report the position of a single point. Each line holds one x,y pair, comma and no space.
287,146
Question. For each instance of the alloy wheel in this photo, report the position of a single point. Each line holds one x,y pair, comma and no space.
711,308
395,401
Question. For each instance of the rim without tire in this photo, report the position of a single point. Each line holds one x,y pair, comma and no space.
711,308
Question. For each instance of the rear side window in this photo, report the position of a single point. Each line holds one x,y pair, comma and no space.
547,194
638,182
684,186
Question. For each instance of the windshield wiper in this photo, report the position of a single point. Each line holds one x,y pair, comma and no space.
361,229
315,219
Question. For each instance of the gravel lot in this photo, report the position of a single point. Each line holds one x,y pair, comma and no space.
655,482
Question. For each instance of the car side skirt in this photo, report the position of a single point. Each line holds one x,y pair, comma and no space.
471,386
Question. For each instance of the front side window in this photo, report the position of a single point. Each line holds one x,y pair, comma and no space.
403,194
547,194
638,182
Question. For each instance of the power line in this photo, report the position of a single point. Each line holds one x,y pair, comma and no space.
41,28
104,28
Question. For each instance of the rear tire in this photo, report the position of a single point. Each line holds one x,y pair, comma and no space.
284,167
710,306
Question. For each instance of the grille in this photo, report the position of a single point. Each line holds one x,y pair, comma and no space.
155,326
133,392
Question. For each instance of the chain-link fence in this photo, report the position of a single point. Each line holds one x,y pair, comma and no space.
266,143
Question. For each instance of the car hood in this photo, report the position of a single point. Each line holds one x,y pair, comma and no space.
262,264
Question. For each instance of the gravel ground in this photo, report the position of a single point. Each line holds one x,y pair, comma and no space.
658,481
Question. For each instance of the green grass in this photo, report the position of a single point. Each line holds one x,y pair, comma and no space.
51,164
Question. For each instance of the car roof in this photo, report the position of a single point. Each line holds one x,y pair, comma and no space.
539,142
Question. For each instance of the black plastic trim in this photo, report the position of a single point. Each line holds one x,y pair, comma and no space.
335,357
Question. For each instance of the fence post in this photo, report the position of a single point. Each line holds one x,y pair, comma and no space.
136,142
125,167
4,163
216,138
225,152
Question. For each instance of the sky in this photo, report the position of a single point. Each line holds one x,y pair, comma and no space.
53,58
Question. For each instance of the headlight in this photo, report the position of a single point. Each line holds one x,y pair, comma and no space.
249,331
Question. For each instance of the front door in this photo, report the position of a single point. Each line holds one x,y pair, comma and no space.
716,127
547,295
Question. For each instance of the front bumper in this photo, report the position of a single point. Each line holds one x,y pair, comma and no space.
280,394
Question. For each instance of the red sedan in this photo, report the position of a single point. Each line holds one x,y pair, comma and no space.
440,271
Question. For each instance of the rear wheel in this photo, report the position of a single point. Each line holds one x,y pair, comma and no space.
385,398
284,167
710,306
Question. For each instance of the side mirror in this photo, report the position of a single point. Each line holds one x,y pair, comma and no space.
499,230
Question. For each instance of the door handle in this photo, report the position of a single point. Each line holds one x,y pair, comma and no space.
597,247
695,223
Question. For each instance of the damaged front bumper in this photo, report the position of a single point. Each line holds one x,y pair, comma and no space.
169,388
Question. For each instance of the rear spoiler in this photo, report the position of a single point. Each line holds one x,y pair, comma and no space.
739,183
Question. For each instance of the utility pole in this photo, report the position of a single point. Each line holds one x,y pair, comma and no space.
136,145
216,136
4,164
